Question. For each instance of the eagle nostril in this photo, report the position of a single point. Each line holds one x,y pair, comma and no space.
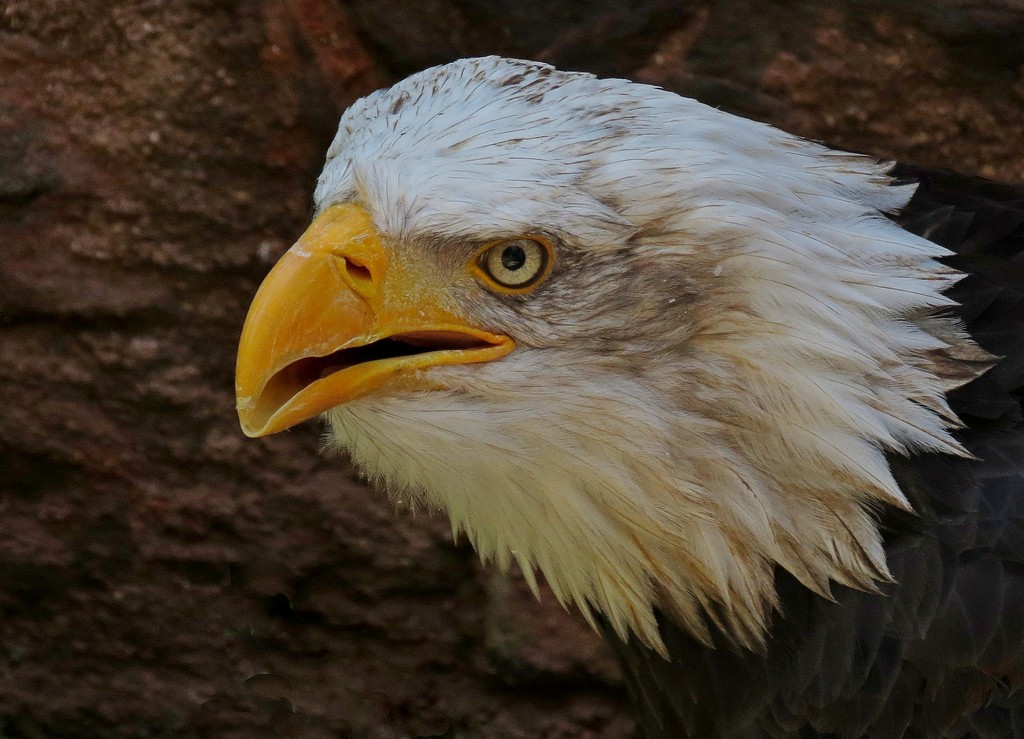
359,277
357,272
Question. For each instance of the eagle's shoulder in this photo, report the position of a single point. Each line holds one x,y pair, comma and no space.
982,222
941,649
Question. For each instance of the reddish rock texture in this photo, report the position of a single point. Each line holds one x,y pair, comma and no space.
162,576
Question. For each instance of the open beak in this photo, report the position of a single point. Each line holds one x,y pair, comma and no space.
335,320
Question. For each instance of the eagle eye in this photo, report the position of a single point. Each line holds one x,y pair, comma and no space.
515,265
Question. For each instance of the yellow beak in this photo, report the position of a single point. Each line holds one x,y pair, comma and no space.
335,320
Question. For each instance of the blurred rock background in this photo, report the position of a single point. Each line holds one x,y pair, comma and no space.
162,576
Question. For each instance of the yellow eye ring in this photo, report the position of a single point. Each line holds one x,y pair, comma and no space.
514,265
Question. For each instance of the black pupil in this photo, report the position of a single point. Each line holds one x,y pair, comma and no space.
513,257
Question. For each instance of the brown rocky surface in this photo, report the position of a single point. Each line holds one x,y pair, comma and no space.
163,576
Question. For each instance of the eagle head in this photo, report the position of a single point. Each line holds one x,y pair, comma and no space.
650,349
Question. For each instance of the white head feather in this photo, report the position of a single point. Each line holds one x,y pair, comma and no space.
706,387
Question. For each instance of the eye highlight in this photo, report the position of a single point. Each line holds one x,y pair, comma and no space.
515,265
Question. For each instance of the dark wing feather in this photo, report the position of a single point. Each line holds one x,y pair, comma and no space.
941,651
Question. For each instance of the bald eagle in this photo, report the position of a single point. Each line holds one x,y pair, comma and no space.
752,405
